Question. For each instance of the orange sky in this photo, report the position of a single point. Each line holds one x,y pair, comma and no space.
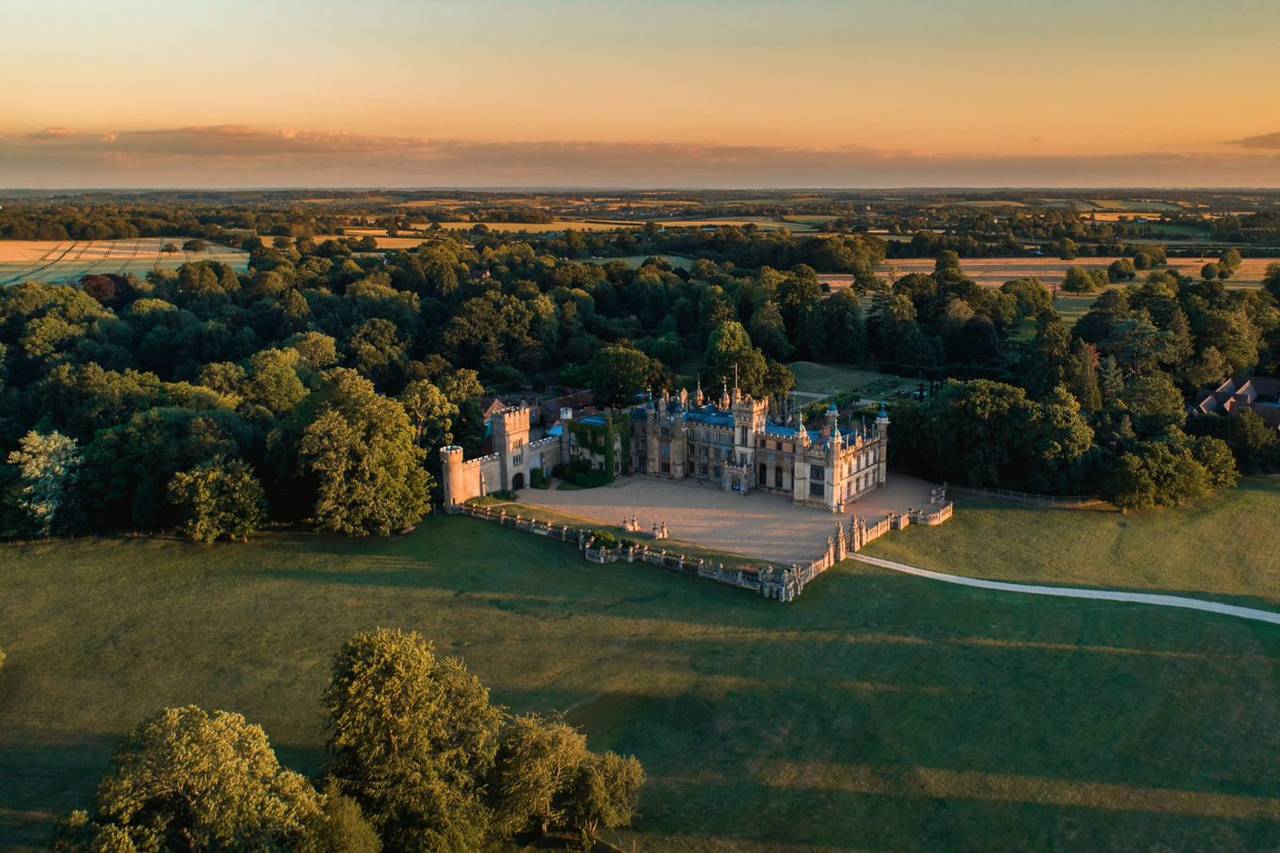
656,93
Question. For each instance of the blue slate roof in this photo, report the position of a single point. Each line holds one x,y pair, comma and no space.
710,418
594,420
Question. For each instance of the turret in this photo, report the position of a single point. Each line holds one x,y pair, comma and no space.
451,464
882,423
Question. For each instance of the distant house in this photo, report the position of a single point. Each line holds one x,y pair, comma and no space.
1259,393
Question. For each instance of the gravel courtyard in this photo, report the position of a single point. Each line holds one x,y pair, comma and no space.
759,524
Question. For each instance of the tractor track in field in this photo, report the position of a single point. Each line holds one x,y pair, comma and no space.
30,274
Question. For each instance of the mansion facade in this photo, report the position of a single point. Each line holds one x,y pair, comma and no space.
734,443
731,442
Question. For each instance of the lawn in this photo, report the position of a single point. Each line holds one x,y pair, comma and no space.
1224,548
877,712
827,379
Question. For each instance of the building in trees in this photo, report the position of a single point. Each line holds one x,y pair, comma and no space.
732,443
1260,394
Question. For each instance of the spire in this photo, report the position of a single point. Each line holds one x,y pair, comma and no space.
697,394
724,396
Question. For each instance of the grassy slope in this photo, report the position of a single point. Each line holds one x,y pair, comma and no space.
878,712
1223,548
815,378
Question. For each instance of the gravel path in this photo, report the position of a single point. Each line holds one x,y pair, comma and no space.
1076,592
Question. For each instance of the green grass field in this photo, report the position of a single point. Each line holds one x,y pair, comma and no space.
679,262
814,378
877,712
1225,548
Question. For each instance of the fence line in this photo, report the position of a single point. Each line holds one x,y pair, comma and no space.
1030,497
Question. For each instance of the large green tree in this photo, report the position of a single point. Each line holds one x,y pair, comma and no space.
367,466
48,465
618,374
411,737
219,499
188,780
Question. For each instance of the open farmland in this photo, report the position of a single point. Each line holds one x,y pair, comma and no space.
768,223
992,272
544,227
59,261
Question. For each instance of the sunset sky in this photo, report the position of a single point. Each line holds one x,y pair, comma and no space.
647,94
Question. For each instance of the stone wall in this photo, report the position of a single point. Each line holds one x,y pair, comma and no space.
773,582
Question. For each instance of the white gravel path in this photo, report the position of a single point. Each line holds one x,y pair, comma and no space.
1076,592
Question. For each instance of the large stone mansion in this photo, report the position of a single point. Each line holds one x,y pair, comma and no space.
731,442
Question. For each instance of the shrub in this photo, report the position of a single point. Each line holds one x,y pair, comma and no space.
605,539
580,473
504,494
538,480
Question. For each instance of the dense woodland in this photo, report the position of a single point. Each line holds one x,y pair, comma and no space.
316,387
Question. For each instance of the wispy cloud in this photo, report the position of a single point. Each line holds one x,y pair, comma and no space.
1265,141
239,155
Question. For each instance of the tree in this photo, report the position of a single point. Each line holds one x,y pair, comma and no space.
1081,375
430,412
731,358
618,374
368,468
412,736
1254,444
1209,272
1121,269
605,794
1169,471
219,499
770,332
340,827
1271,280
1081,280
272,380
1154,402
536,767
195,244
188,780
1046,365
48,465
846,332
1207,369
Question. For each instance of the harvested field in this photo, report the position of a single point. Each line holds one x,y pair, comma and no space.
384,242
993,272
543,227
59,261
768,223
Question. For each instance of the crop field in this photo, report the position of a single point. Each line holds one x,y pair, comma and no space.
768,223
59,261
993,272
543,227
877,712
379,235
